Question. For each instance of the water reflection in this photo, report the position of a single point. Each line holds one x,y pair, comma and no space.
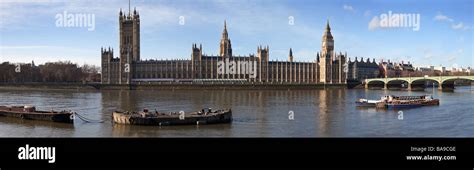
257,113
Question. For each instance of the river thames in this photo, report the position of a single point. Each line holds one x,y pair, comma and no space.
257,113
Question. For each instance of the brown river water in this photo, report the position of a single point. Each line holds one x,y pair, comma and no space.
257,113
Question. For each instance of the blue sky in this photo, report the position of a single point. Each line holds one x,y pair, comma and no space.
28,29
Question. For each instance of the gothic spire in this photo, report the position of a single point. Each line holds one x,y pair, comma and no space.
290,56
327,26
225,35
225,45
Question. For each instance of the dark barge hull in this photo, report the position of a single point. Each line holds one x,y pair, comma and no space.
223,116
63,117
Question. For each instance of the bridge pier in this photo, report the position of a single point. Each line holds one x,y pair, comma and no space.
385,86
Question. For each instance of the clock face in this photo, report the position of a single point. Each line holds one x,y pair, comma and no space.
327,43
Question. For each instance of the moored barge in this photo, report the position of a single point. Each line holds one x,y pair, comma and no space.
30,113
398,102
401,102
145,117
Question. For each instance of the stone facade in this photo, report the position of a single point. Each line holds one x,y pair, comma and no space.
360,70
327,66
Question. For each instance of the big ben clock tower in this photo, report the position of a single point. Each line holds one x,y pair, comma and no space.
327,55
328,41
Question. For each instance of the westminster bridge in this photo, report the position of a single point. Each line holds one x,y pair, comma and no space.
410,82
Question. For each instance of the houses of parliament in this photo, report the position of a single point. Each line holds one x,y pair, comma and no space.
128,68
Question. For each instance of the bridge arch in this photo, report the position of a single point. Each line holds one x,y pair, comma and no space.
456,78
437,80
375,81
422,83
401,82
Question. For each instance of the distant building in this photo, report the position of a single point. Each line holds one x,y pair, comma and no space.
393,69
360,70
407,67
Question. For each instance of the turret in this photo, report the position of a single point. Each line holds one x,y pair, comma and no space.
129,34
290,56
262,53
196,52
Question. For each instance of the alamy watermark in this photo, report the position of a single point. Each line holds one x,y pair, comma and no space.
79,20
291,20
37,153
396,20
182,20
291,115
400,115
17,68
231,67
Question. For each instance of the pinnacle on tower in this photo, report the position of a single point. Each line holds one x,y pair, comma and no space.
224,32
327,25
290,56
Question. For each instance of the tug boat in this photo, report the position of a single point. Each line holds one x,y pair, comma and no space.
398,102
30,113
145,117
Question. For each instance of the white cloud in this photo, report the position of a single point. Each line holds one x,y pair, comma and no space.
25,13
457,26
374,23
460,26
427,54
348,8
42,53
454,55
451,58
367,13
441,17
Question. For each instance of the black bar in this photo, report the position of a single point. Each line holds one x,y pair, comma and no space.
238,152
